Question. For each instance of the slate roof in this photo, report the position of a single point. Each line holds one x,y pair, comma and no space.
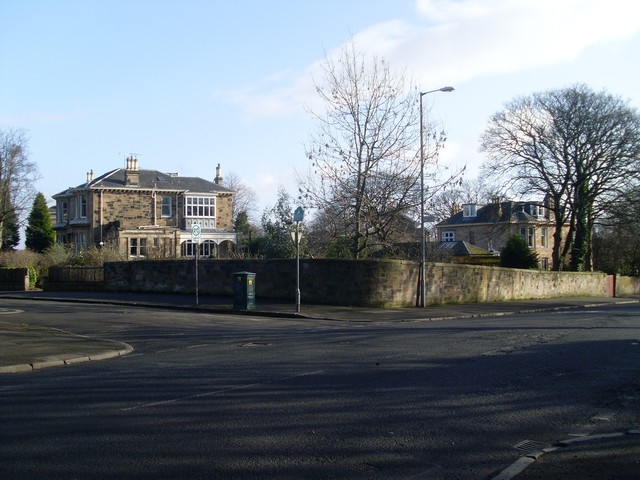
463,249
151,179
494,212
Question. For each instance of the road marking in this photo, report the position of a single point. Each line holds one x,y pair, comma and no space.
217,392
528,447
604,417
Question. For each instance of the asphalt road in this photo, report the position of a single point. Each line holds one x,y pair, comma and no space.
214,396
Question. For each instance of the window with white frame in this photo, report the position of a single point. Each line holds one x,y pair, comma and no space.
80,242
206,249
536,210
167,203
469,210
528,233
82,206
189,248
543,237
448,236
63,210
200,207
137,247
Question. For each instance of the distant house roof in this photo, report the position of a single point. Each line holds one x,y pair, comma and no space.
463,249
150,180
509,211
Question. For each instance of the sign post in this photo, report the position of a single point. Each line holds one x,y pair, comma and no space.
298,216
195,237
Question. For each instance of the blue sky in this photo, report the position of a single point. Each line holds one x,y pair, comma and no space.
188,84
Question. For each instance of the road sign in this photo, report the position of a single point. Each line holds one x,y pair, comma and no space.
298,215
195,236
296,236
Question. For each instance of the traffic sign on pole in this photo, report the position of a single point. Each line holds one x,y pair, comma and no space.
195,230
195,237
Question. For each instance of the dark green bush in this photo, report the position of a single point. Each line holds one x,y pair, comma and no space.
517,254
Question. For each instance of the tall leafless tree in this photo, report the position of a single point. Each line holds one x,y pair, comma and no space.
245,198
365,164
449,200
617,236
577,147
17,175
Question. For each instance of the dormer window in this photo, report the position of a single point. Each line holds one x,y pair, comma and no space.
536,211
469,210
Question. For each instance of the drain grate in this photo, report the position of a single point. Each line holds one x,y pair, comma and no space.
530,446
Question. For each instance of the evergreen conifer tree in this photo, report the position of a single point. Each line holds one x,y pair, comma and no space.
517,254
40,235
10,231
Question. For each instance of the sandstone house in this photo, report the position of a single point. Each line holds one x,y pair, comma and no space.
489,226
147,214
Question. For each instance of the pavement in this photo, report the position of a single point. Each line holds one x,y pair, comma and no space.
28,348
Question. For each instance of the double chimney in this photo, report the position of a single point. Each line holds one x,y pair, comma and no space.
131,173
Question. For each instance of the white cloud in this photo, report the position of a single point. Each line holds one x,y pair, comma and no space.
462,40
450,42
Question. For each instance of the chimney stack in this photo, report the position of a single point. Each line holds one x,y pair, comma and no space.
90,176
131,174
218,179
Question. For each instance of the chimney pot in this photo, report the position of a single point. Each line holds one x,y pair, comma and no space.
131,174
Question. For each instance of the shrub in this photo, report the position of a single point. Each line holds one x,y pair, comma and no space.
517,254
33,276
95,257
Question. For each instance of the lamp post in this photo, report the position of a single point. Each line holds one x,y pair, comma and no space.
423,247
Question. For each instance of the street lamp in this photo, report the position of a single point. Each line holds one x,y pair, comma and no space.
423,253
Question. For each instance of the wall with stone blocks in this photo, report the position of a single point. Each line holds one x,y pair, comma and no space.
451,283
14,279
375,283
626,286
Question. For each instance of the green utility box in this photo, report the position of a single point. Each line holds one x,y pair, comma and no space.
244,290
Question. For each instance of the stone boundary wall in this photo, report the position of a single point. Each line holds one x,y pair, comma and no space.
626,286
381,283
453,283
372,283
74,278
14,279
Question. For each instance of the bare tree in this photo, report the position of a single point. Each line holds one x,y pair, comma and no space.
245,198
448,201
365,167
616,242
574,146
17,175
